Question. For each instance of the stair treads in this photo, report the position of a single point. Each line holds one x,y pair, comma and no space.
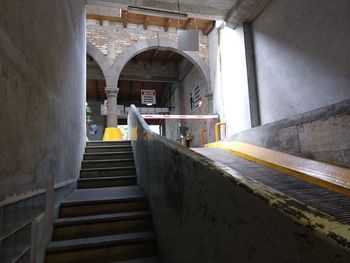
101,218
108,155
71,244
140,260
106,169
126,142
104,194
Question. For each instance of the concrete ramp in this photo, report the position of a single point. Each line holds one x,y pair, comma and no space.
206,209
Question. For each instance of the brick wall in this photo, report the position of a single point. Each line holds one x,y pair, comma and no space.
112,38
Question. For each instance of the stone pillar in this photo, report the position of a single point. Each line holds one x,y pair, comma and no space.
112,117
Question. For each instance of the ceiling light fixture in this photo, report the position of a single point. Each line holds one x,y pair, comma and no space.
156,12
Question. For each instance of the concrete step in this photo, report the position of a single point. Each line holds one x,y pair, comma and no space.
140,260
108,148
103,143
112,248
107,163
98,225
107,172
108,155
111,181
109,200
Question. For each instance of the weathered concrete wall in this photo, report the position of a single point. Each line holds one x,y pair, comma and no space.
42,83
42,78
302,51
229,78
112,38
202,213
322,134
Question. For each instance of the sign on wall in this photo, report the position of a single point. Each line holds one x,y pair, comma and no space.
148,97
196,98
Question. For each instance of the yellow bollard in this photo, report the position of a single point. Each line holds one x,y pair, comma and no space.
217,125
112,134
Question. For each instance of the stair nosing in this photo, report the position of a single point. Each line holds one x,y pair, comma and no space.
107,160
67,221
107,178
107,146
95,242
101,153
107,168
101,201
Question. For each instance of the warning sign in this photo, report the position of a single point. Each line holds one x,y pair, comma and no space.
148,96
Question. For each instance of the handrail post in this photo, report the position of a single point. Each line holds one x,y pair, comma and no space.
217,125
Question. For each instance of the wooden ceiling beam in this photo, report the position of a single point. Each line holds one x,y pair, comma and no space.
171,53
97,90
125,18
167,24
188,23
154,55
146,23
208,28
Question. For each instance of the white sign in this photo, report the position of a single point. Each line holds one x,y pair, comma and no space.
148,96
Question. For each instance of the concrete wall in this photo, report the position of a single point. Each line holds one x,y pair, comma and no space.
322,134
42,83
42,76
229,79
302,51
204,213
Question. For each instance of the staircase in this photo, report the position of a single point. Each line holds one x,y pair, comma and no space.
107,219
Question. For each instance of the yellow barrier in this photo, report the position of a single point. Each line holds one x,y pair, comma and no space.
201,136
217,125
112,134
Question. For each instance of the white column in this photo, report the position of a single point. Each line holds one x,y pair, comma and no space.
112,117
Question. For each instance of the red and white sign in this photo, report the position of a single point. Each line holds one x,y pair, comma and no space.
148,97
178,117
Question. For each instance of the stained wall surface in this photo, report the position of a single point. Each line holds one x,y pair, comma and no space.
204,213
42,80
302,51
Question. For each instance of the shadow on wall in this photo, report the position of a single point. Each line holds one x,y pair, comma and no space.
302,52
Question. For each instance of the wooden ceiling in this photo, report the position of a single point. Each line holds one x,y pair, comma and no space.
127,17
161,56
129,91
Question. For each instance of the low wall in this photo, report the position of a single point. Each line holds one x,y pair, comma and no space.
204,213
321,134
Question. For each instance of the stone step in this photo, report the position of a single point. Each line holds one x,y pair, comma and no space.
111,181
98,225
109,200
140,260
103,143
108,148
108,155
107,172
107,163
112,248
